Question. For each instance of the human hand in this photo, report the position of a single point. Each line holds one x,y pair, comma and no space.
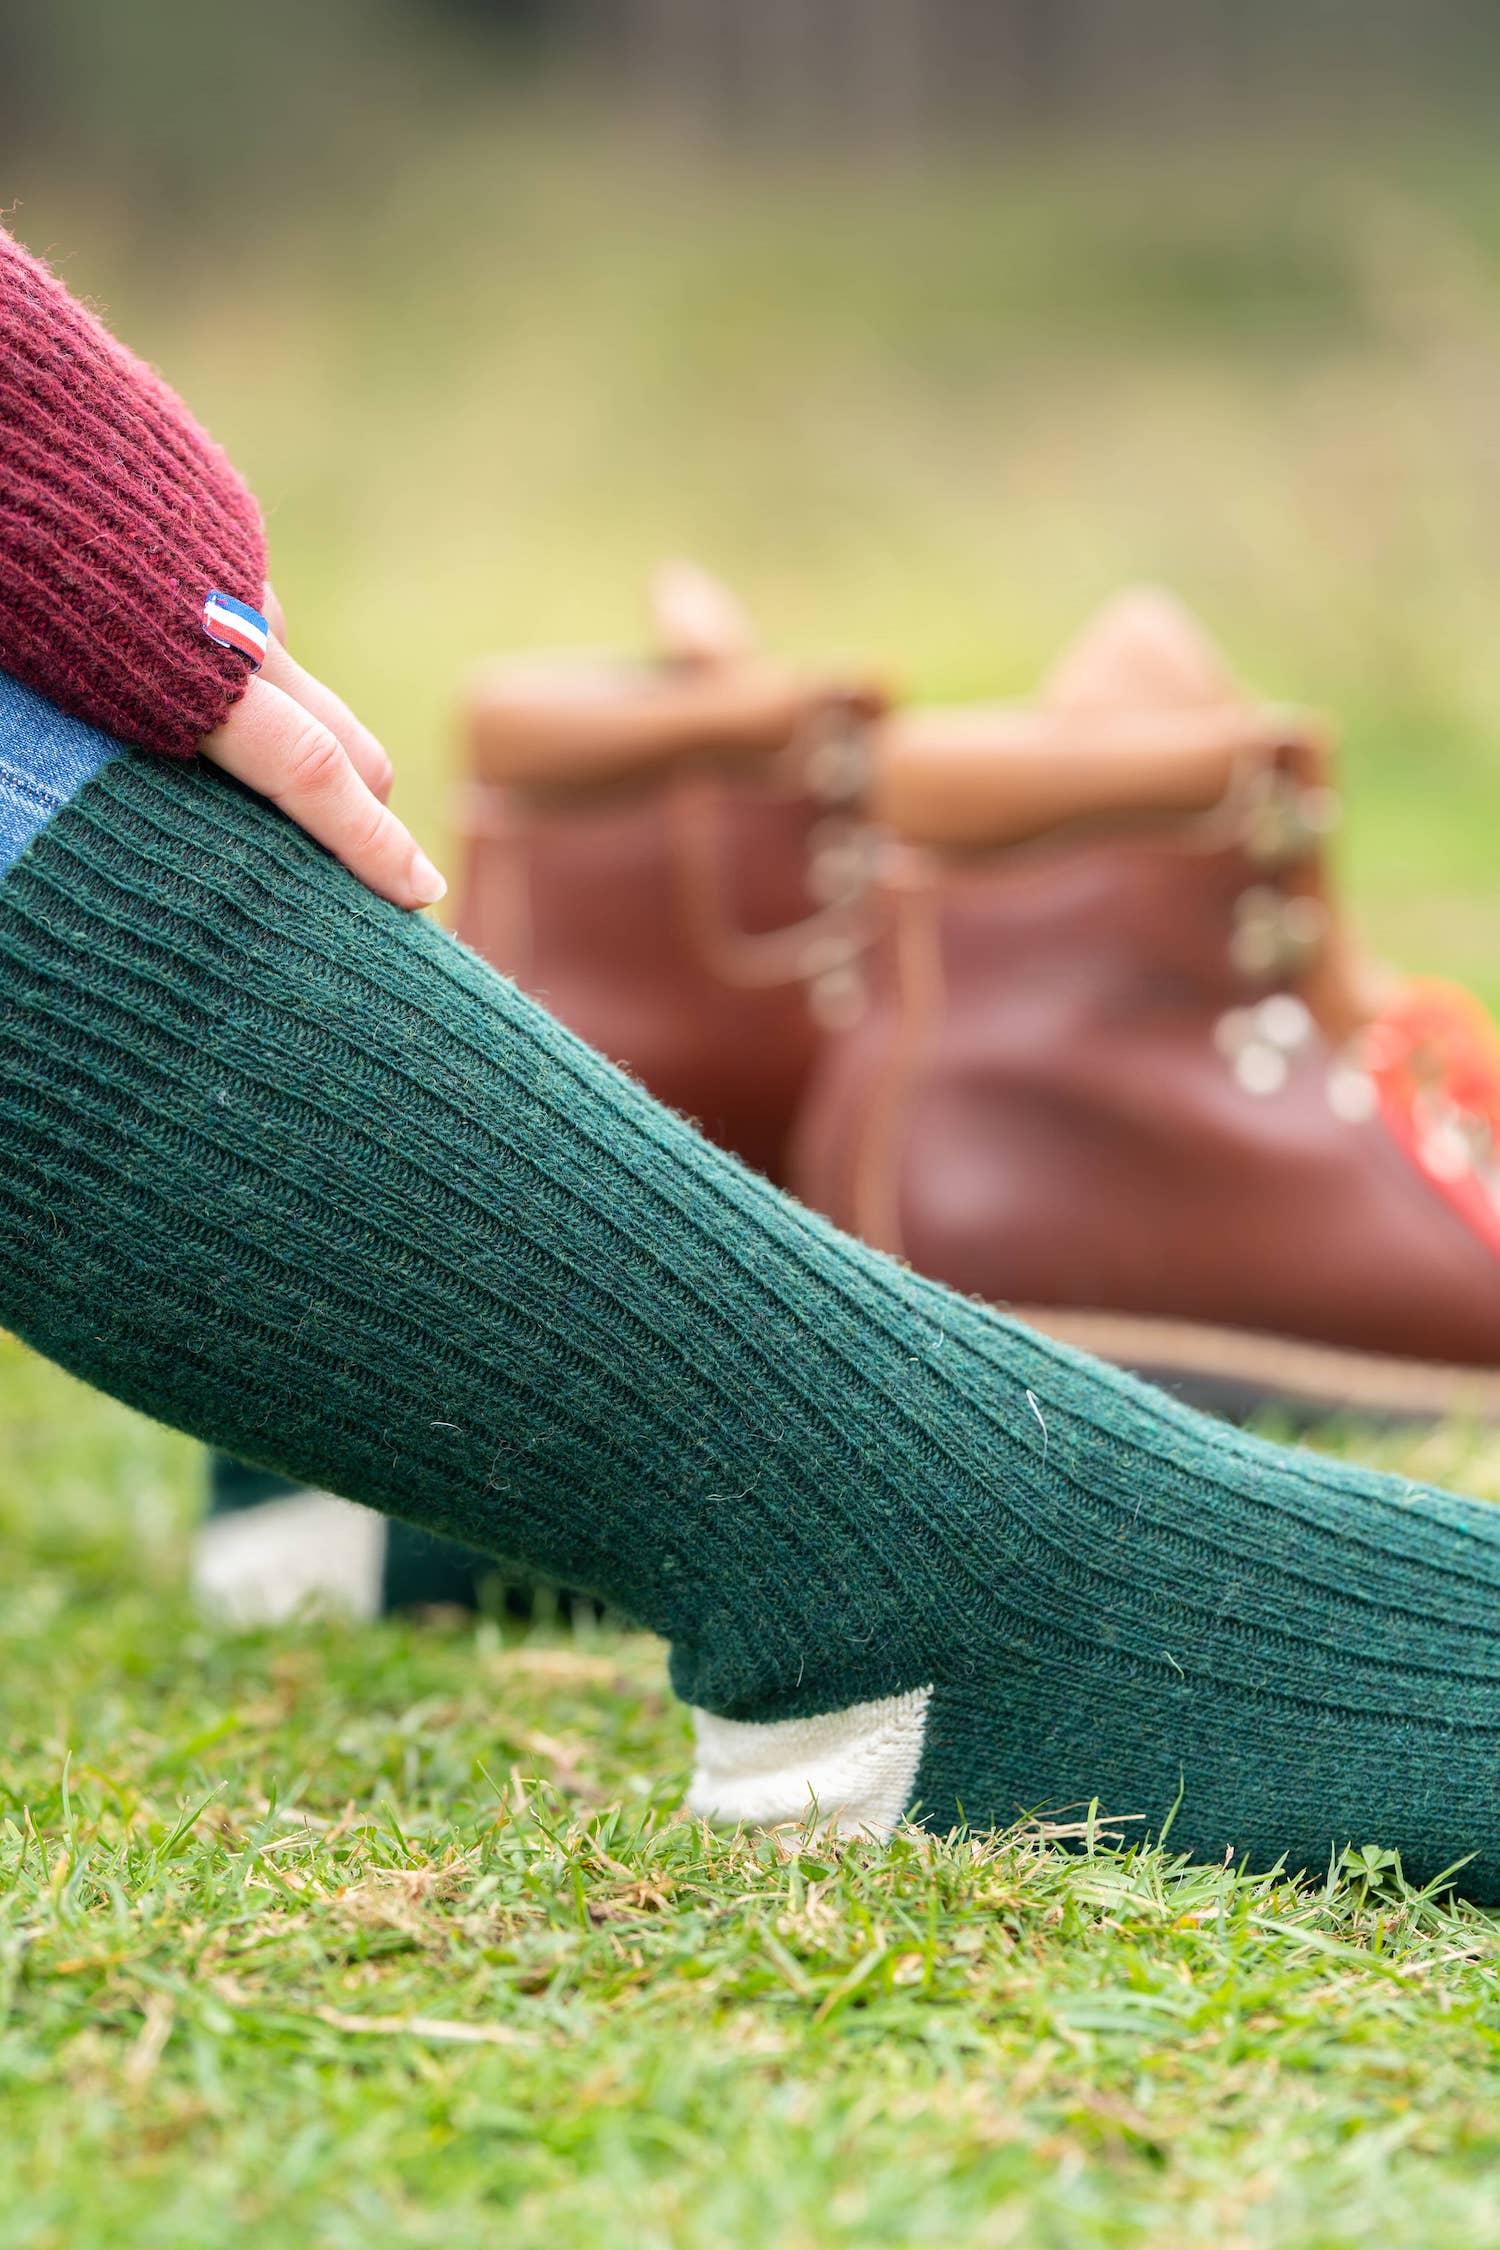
294,741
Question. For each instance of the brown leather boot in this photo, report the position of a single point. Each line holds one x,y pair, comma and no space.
673,856
1122,1068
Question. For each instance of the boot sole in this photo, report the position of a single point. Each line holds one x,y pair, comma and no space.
1237,1372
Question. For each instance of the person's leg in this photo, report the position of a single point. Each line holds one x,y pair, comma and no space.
266,1546
295,1172
45,758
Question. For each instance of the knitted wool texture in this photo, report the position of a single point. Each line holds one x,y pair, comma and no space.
117,516
298,1174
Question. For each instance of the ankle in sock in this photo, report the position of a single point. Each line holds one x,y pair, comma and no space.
295,1172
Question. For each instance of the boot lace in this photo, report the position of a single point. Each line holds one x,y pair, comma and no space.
1434,1057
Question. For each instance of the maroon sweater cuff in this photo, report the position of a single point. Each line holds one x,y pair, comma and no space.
118,515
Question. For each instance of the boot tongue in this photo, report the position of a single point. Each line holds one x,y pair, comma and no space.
1143,652
699,623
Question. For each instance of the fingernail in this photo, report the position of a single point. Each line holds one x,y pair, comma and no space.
428,886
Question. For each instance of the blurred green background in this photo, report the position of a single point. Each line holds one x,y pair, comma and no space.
926,322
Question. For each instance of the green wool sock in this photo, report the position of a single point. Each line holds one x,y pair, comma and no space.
295,1172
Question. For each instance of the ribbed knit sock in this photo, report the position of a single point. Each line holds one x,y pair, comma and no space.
298,1174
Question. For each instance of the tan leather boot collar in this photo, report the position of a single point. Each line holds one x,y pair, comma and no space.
586,721
980,778
1141,719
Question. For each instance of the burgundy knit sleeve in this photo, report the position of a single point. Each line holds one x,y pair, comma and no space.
118,515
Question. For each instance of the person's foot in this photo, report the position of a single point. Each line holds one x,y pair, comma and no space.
1114,1602
1123,1069
267,1549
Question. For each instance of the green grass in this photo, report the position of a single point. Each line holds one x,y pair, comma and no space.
332,1937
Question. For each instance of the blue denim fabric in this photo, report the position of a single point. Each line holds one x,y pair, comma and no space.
45,758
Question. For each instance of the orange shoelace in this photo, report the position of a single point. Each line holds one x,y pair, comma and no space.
1434,1058
1435,1041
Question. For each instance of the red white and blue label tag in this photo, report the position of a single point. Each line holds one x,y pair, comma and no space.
236,625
